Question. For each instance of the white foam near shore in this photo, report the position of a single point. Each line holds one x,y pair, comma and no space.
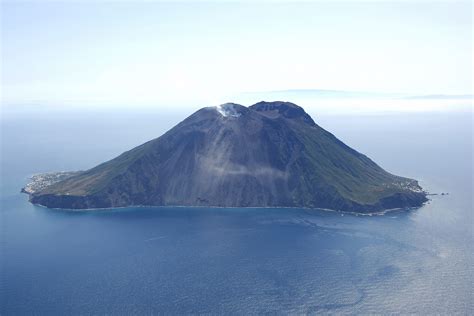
121,208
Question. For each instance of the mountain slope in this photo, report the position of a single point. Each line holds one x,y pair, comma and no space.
270,154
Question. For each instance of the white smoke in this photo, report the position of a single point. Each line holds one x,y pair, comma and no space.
227,110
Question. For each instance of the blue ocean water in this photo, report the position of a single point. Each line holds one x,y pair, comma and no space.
240,261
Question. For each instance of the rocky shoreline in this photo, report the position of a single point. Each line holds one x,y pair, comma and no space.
41,181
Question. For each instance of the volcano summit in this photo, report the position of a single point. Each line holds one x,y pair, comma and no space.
271,154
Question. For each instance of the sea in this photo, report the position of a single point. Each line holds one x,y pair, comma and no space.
169,260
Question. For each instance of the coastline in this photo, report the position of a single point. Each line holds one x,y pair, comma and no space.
111,209
37,182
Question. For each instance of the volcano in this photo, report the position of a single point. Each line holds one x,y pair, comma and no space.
271,154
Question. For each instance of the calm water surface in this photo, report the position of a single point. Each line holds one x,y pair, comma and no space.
185,260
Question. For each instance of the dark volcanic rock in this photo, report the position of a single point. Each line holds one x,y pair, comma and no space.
271,154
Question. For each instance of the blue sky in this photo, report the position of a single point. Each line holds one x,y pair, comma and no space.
157,52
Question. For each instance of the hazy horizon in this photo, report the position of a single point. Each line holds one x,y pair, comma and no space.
102,54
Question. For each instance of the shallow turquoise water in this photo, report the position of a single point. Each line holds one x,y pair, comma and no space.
198,260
